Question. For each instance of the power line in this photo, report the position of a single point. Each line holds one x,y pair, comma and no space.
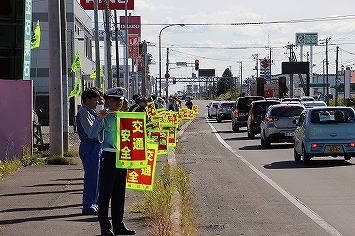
320,19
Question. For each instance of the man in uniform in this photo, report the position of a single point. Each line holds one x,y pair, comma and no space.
112,179
89,149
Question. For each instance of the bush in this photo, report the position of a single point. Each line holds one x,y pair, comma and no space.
59,160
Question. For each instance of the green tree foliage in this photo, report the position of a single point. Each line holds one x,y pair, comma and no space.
226,83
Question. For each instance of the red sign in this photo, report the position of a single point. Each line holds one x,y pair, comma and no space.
265,63
134,25
133,45
131,140
113,4
143,178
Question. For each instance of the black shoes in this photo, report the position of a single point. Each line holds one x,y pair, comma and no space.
122,230
108,233
125,232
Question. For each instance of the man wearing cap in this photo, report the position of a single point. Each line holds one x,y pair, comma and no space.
89,149
112,179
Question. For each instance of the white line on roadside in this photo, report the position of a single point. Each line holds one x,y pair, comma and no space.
311,214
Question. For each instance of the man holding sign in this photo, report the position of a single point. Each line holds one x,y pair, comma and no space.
112,179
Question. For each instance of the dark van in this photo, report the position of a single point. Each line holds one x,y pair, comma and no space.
256,114
240,111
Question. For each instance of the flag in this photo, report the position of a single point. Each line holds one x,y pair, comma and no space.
76,63
93,73
36,37
76,90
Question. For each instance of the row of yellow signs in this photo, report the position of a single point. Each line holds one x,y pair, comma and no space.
139,141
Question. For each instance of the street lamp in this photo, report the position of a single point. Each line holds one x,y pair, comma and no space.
182,25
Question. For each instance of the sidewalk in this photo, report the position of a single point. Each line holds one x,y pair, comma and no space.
46,200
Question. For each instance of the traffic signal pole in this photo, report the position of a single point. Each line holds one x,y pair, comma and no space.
166,75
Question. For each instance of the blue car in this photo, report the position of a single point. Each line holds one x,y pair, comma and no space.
325,131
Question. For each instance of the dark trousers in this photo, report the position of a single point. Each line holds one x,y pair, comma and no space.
112,186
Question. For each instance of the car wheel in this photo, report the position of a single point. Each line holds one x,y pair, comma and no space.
296,155
347,157
306,156
267,143
235,128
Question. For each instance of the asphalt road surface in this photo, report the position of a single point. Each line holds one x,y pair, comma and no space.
242,188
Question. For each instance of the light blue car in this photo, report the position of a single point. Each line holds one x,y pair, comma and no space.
325,131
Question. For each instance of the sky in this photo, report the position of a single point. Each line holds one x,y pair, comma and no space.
214,33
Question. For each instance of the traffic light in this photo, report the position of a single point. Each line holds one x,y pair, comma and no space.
197,64
174,80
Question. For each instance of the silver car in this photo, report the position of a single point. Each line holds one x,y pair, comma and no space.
278,125
325,131
212,109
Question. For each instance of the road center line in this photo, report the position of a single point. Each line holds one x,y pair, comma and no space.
310,213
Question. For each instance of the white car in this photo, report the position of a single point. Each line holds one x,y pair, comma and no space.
310,104
325,131
212,109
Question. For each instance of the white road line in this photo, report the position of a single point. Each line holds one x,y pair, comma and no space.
311,214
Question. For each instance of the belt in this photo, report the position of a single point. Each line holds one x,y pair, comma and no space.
109,149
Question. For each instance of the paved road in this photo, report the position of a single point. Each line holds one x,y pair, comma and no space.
230,198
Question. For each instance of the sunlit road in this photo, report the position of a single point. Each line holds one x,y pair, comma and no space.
264,191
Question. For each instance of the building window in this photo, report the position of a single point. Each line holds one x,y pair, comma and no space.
88,47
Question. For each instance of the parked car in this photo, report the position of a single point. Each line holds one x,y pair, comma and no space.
240,111
224,111
289,100
310,104
325,131
307,98
256,114
212,109
278,125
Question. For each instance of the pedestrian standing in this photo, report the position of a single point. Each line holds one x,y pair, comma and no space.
89,149
112,179
189,103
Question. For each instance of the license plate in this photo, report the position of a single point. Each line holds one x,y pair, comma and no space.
241,114
288,134
333,148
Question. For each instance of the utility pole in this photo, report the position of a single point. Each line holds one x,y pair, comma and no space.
167,72
336,76
63,23
108,45
55,80
144,68
327,67
97,46
117,53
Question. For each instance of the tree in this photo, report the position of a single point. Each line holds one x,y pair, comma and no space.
226,83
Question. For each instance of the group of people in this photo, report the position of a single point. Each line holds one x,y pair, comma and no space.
103,182
97,127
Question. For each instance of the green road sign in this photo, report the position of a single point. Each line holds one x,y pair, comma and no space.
306,38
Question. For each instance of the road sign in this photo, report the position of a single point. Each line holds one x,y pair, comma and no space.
181,63
306,38
265,63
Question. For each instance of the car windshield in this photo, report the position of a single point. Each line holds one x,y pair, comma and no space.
227,105
332,116
260,108
286,111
